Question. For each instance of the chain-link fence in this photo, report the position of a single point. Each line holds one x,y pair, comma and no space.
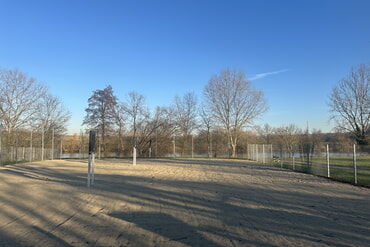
25,146
349,163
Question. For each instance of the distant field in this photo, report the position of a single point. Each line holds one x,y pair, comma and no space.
363,162
341,168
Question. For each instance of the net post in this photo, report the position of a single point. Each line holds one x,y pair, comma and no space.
134,152
91,160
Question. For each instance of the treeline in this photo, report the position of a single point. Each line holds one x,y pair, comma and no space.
229,104
293,139
213,143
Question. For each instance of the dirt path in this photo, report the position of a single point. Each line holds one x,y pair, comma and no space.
177,203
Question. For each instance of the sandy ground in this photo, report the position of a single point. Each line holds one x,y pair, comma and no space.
177,203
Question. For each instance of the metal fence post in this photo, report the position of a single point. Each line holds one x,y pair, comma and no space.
16,145
281,156
354,162
271,156
52,144
328,159
42,142
134,152
0,144
192,146
61,147
31,151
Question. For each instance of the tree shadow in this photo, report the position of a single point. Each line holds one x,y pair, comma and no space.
165,225
49,238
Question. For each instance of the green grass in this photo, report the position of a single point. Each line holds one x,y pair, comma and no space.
341,168
361,161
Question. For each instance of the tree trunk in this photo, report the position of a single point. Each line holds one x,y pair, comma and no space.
233,149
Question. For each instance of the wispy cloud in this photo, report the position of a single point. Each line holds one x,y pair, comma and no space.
262,75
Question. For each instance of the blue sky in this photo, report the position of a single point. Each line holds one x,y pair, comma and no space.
295,51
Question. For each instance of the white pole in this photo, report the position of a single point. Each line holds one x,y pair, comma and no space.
263,153
89,172
92,168
134,157
52,145
91,159
134,152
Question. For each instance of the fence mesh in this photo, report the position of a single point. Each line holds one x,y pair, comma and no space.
23,146
344,162
348,163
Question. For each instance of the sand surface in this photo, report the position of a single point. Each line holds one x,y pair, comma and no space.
177,202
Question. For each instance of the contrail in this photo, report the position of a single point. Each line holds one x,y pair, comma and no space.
261,75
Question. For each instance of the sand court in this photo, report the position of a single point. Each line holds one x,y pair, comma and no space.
177,202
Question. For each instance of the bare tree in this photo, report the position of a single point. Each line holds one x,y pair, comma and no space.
135,108
206,124
289,136
146,126
120,116
165,128
234,103
19,99
265,132
349,103
185,116
149,127
100,113
51,114
139,119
